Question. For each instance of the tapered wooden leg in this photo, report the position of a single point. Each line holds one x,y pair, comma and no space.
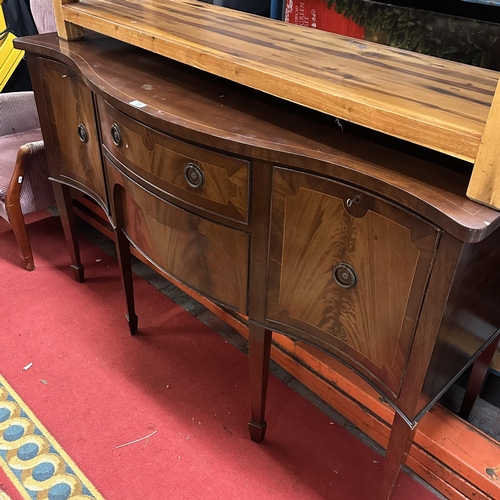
400,442
125,262
16,219
259,351
477,379
65,207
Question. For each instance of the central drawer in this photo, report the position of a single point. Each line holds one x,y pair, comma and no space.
197,176
205,255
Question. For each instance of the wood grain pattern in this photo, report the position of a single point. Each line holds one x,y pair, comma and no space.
390,250
70,103
429,323
161,160
436,103
207,256
327,205
484,185
211,111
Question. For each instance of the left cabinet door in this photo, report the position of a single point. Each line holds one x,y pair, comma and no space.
68,120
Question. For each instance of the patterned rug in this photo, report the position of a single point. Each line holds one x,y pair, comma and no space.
32,459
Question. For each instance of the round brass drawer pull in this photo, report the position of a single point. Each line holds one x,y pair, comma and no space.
345,275
82,133
194,175
116,135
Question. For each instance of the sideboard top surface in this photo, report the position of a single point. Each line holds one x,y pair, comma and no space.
202,108
432,102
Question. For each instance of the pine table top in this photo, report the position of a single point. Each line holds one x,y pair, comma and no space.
432,102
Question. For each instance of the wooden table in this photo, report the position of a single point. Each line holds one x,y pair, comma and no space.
269,209
439,104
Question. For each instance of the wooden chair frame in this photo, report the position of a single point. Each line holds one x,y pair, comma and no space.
13,206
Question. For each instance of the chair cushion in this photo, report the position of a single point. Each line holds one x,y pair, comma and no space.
9,146
18,112
36,192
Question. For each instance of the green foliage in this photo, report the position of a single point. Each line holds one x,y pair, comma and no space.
429,33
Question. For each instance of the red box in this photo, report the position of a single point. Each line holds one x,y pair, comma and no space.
316,14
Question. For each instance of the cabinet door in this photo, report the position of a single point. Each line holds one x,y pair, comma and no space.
347,272
69,105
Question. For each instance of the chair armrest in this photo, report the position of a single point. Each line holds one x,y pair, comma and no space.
30,180
34,147
18,113
24,166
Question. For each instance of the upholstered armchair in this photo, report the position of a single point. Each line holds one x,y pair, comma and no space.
43,15
24,184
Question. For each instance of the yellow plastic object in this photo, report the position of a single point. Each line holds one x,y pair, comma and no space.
3,24
9,56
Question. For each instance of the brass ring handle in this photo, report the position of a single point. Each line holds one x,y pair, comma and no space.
194,175
345,276
116,135
82,133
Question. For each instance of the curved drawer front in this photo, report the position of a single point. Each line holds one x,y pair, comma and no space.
203,178
205,255
348,270
73,128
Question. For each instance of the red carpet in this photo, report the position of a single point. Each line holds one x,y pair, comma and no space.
95,388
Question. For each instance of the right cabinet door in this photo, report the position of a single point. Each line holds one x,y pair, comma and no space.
347,272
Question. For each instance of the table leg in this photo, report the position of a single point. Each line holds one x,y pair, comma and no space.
125,263
65,208
477,378
400,442
259,345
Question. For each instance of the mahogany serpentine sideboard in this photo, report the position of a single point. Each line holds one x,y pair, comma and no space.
355,246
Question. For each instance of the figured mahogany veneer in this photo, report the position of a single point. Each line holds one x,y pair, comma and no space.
390,251
73,129
373,255
162,161
207,256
